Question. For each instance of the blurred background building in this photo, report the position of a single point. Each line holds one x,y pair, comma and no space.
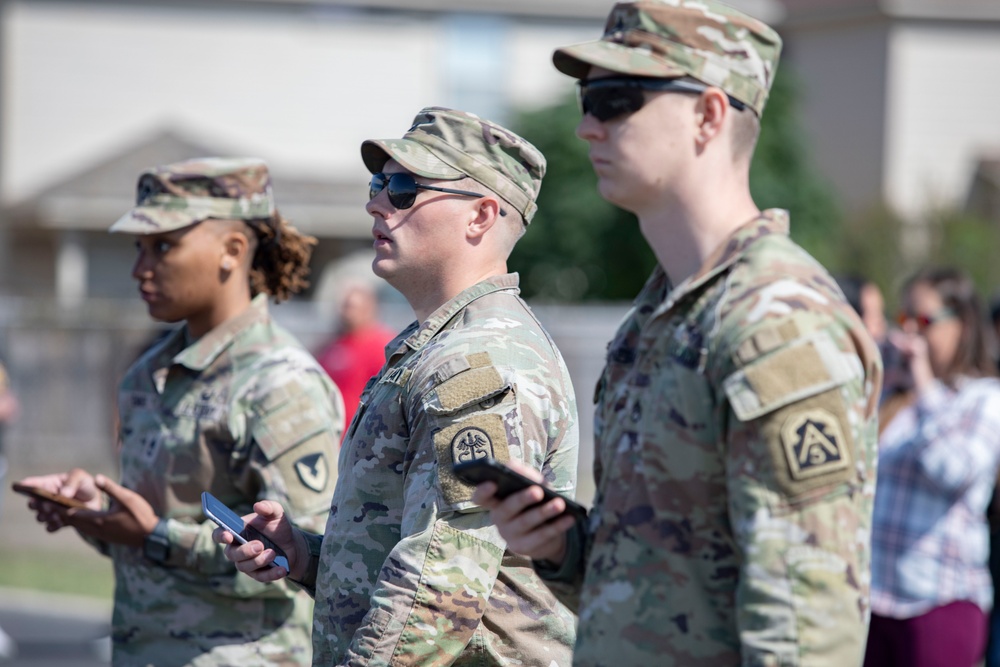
898,102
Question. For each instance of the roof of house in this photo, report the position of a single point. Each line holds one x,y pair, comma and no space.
95,197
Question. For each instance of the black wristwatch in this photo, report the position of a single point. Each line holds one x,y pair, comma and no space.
157,544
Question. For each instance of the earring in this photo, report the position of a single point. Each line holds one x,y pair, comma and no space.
227,264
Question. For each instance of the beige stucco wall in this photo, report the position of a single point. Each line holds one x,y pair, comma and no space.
841,70
300,87
943,111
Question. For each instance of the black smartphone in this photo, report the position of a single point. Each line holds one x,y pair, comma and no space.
224,517
509,481
46,495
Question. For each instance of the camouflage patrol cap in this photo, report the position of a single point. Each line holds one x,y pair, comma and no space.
703,39
448,145
177,195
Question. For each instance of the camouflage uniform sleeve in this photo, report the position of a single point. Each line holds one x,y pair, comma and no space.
437,582
293,419
565,579
800,468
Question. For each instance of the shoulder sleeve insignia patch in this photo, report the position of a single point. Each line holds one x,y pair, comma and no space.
470,444
814,444
313,471
480,436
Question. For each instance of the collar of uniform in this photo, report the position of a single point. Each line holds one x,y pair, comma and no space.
771,221
440,317
204,351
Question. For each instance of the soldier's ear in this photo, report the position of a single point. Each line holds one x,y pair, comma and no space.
235,251
484,213
711,111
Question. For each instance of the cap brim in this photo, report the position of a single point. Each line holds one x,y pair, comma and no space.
154,220
411,155
577,59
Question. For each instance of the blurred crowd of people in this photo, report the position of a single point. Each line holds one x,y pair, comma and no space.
935,529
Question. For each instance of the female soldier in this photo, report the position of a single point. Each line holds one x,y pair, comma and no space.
228,403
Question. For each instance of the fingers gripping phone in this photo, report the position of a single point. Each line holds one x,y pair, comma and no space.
509,481
48,496
224,517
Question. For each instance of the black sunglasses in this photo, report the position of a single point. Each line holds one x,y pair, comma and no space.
614,96
402,189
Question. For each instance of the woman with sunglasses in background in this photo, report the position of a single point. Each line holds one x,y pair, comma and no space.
938,457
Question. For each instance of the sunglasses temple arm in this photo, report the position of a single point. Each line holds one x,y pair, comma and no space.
449,190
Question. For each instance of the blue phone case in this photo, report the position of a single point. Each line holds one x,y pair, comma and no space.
214,509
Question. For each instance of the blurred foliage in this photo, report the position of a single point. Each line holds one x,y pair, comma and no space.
967,242
870,247
782,175
581,248
886,249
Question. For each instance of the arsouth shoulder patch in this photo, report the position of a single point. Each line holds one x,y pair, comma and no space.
313,471
814,444
810,447
478,437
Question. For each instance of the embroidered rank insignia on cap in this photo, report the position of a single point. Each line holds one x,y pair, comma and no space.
314,471
814,444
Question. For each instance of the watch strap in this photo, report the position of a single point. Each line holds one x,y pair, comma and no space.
156,546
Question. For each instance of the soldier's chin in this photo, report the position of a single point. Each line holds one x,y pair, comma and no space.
163,313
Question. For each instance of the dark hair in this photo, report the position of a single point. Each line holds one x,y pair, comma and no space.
995,310
280,258
851,285
746,131
958,293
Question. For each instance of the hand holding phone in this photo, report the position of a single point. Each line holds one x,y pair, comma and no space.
214,509
509,481
40,493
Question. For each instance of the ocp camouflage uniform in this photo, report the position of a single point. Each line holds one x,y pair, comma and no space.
735,434
246,414
410,571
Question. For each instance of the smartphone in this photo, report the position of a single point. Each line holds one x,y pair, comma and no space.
509,481
46,495
224,517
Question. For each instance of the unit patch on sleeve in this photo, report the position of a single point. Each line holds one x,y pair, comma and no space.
471,444
314,471
480,436
814,444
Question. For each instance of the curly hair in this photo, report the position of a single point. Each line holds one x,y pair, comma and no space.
280,258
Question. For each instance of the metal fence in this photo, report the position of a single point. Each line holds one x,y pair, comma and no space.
65,365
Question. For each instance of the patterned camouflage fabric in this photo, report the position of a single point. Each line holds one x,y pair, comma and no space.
704,39
181,194
448,145
411,572
736,446
246,414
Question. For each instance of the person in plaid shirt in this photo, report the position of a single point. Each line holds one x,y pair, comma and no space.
938,459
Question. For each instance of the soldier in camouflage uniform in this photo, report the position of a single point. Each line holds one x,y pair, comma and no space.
228,403
410,571
735,423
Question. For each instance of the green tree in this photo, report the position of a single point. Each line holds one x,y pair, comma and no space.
967,242
782,175
581,248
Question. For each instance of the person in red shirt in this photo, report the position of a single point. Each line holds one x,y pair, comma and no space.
358,350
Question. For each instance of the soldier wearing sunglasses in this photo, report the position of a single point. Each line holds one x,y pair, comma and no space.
410,570
735,422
